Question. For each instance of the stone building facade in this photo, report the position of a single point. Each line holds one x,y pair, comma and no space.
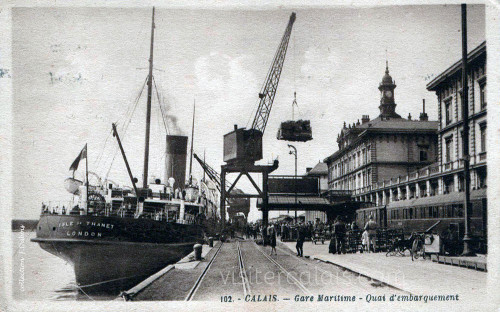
320,170
445,175
388,146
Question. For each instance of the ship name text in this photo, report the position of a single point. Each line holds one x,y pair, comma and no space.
83,233
87,223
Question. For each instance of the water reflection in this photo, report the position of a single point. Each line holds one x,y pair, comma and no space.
39,275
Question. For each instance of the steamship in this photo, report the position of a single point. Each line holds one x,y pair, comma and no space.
115,237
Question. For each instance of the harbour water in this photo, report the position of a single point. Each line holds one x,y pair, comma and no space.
39,275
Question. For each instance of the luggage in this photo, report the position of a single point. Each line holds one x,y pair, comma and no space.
297,131
332,248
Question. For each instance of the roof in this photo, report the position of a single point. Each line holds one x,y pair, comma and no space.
399,124
320,169
454,197
457,67
392,125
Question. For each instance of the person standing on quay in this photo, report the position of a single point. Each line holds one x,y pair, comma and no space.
339,230
271,233
301,237
371,228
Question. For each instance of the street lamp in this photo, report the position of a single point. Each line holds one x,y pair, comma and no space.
293,151
468,251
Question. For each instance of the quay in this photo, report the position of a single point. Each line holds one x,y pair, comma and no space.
240,270
418,277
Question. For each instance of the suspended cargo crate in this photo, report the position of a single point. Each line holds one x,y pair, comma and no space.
295,130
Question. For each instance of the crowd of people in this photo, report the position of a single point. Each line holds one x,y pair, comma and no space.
299,232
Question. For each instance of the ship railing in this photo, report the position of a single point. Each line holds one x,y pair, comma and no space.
56,207
65,208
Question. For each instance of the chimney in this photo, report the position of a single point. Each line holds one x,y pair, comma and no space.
175,159
409,116
423,115
365,119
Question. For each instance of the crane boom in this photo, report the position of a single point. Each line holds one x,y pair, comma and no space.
268,91
236,204
244,146
212,174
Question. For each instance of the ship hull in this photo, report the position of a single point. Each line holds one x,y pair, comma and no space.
113,252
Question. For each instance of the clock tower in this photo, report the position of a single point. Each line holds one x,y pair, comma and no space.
387,105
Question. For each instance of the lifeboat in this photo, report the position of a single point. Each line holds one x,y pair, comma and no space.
72,185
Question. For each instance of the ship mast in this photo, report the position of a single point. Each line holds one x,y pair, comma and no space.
192,139
148,112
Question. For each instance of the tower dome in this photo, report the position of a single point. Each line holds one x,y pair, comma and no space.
387,105
387,79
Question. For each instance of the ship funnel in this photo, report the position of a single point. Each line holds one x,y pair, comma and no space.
175,159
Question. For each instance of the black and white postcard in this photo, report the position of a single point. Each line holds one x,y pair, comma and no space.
250,155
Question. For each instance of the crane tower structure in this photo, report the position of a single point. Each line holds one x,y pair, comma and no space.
243,147
236,204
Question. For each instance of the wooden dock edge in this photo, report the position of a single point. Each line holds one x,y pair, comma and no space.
129,294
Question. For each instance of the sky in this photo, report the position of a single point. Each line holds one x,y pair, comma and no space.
77,70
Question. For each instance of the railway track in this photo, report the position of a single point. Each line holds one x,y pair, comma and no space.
243,272
289,275
245,282
197,284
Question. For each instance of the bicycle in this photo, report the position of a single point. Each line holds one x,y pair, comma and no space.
399,246
418,247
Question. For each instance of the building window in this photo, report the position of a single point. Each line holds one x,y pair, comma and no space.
461,183
481,177
447,104
482,95
423,155
483,137
461,144
448,149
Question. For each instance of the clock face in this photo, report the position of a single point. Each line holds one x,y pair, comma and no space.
388,93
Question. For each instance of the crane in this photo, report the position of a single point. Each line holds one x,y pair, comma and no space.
244,146
211,173
235,205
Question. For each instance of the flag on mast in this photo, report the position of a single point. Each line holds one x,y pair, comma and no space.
83,154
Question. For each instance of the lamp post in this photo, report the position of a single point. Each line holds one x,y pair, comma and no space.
468,251
293,151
